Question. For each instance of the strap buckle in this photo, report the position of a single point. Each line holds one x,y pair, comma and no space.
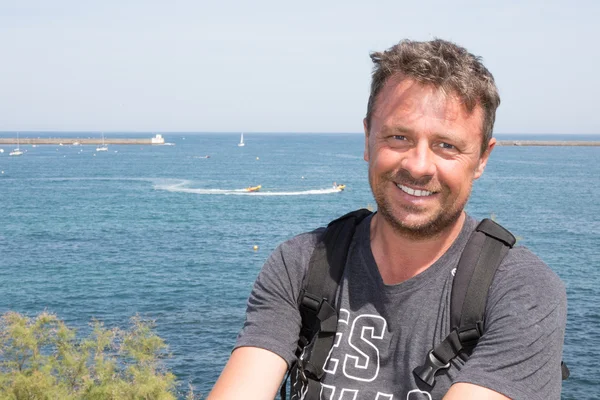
432,365
469,335
311,302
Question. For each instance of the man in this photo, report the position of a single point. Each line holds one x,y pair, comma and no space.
428,136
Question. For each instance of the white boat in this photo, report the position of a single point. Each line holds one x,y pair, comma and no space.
241,143
1,150
103,147
17,151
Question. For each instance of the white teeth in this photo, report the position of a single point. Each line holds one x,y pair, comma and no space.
413,192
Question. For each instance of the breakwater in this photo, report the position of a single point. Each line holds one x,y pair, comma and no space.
158,139
547,143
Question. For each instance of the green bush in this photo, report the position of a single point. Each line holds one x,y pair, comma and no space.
42,359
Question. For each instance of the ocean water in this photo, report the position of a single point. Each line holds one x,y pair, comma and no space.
165,233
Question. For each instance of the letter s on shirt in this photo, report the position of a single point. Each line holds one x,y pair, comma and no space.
362,363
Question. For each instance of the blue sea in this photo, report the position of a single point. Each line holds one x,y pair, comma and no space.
163,232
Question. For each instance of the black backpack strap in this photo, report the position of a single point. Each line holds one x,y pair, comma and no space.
485,250
317,301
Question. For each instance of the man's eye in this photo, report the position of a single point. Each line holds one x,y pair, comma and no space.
399,137
447,146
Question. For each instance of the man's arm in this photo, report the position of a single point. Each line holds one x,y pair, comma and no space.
251,373
520,350
468,391
267,343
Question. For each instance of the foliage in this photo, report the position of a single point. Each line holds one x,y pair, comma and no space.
42,359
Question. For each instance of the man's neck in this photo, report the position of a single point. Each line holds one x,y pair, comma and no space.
400,257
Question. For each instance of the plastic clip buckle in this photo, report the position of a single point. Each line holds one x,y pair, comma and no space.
427,372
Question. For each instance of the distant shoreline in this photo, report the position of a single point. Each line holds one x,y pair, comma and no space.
547,143
158,139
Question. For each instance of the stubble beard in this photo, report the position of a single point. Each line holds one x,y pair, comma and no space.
439,222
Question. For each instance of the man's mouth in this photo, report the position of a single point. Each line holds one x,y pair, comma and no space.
415,192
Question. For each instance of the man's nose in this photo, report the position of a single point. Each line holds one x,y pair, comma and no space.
419,161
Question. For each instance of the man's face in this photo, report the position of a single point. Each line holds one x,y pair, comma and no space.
423,151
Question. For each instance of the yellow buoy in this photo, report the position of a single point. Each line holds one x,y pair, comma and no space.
255,247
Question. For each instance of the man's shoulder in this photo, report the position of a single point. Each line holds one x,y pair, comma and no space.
524,272
522,267
295,253
298,250
304,242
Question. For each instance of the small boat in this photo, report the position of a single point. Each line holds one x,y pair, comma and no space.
253,188
241,143
17,151
103,147
339,188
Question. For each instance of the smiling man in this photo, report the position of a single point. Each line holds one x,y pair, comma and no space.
428,136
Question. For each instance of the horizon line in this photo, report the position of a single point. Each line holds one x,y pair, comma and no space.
245,132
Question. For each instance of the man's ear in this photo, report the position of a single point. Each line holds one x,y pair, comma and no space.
366,153
484,158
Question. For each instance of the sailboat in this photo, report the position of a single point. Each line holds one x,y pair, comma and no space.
241,143
17,151
103,147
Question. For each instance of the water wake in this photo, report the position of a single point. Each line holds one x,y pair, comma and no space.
186,186
182,186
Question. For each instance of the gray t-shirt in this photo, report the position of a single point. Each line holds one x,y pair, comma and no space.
385,331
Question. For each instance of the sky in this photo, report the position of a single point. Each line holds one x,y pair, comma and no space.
277,66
